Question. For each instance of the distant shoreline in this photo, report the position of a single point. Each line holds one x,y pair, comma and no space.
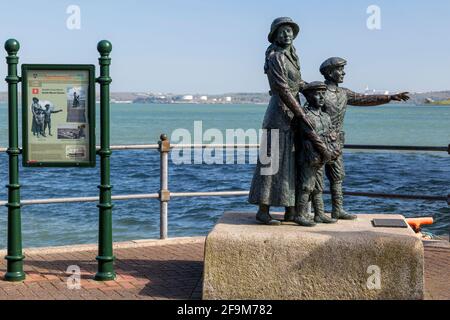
440,98
439,103
261,104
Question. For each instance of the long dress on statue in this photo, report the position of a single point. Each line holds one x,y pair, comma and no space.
278,188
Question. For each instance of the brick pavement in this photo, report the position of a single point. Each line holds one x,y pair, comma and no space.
151,270
169,269
437,271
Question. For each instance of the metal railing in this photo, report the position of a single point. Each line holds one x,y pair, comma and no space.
164,195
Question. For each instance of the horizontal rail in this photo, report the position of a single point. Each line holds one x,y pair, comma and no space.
134,147
209,194
222,194
398,148
85,199
347,146
348,193
238,146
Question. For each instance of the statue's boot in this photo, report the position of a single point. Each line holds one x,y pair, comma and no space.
337,199
264,216
319,210
301,218
289,214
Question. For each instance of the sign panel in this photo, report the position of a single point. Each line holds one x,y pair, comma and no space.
58,110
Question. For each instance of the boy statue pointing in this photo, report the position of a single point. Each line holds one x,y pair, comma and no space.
336,101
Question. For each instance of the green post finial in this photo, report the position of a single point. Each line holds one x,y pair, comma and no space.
12,46
104,47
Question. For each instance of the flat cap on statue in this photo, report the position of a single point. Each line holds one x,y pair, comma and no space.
315,85
278,22
332,63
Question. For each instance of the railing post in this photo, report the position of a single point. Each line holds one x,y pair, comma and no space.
14,257
105,256
164,193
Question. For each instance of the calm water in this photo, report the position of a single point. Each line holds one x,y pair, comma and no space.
138,172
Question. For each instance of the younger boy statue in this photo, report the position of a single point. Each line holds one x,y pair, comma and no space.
310,164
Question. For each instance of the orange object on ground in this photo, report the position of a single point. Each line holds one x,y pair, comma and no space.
417,223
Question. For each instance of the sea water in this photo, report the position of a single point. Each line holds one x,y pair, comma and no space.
137,171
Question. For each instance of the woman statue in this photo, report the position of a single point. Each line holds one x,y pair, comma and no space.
35,107
283,72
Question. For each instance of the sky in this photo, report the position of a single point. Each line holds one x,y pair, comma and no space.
212,47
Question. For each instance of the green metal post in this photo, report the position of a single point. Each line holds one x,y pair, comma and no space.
14,257
105,256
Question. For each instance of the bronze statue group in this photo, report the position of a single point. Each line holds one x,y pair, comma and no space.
311,137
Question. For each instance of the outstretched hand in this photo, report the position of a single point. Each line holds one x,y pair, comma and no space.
403,96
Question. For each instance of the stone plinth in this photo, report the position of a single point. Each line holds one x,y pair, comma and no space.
247,260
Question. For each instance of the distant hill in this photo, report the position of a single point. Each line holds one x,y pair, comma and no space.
427,97
439,103
119,96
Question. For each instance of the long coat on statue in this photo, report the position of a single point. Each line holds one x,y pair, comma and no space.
278,188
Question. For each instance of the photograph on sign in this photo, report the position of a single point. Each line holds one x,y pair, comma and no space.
58,103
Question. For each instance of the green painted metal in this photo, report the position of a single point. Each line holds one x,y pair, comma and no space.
105,256
28,69
14,257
